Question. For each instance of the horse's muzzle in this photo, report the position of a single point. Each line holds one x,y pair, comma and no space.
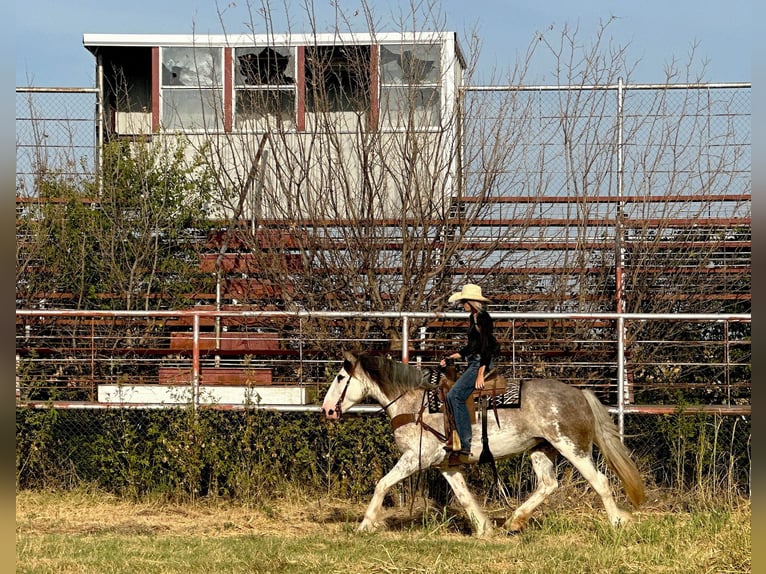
331,414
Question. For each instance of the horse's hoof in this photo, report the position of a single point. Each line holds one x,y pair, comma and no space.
484,533
514,526
367,526
621,519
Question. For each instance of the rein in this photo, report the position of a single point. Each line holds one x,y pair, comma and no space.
385,408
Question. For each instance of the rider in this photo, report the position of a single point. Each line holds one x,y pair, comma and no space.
478,352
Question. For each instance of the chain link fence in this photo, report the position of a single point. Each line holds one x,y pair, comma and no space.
626,193
55,135
684,403
684,139
254,453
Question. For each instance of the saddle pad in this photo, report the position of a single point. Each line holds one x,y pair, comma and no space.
435,402
511,398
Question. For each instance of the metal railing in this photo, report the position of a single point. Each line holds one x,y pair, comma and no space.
66,346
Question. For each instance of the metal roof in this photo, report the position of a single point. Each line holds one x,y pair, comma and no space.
94,41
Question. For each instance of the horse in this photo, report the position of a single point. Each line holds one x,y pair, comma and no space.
552,417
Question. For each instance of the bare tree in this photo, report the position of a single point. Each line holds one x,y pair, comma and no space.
592,195
552,199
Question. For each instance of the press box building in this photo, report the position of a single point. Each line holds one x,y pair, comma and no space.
326,121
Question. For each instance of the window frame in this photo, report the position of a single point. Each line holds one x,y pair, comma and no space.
433,82
266,86
212,84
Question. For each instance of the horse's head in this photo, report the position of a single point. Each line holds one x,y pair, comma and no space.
345,390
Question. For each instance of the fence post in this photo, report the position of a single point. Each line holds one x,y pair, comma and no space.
405,339
619,263
621,376
195,362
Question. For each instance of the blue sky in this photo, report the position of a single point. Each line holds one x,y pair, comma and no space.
49,49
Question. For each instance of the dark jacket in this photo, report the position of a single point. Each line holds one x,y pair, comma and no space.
481,341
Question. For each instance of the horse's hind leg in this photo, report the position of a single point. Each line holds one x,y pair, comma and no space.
542,462
600,483
479,520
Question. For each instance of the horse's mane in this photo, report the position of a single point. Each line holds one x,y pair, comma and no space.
391,376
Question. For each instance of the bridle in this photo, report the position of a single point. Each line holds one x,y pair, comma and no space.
342,397
400,419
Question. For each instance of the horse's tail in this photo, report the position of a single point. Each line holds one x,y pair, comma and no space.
616,454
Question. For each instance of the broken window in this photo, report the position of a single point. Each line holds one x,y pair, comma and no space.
264,85
410,64
338,78
192,88
128,78
265,66
410,78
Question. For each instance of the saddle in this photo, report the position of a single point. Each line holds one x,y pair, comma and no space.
498,392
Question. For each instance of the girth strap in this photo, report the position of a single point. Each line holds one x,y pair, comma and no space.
403,419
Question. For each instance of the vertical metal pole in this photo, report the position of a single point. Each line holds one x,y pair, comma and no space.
93,390
100,125
619,263
218,317
727,359
300,348
405,339
621,376
195,362
618,230
513,346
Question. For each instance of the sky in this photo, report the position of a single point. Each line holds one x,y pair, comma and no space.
715,37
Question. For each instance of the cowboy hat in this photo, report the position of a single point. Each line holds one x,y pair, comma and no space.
469,292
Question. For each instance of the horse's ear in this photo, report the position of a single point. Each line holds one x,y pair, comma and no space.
350,357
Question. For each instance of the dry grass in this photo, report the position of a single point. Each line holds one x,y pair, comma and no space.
88,513
87,532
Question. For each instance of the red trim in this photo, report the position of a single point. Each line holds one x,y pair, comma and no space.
228,89
300,88
155,89
374,87
618,287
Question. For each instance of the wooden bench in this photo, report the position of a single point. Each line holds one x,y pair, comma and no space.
222,376
229,341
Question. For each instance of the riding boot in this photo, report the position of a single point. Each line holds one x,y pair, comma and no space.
449,424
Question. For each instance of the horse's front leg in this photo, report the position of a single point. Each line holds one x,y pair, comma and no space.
481,524
405,466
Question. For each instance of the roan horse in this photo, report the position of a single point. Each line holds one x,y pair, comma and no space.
552,416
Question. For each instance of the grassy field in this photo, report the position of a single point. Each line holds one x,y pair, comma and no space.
89,533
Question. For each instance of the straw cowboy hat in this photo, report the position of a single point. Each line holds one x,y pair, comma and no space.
469,292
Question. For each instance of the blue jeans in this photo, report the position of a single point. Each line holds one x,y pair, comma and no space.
458,395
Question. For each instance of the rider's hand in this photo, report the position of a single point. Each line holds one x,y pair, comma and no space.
479,382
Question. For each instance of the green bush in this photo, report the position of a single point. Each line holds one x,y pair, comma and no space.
184,454
253,454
